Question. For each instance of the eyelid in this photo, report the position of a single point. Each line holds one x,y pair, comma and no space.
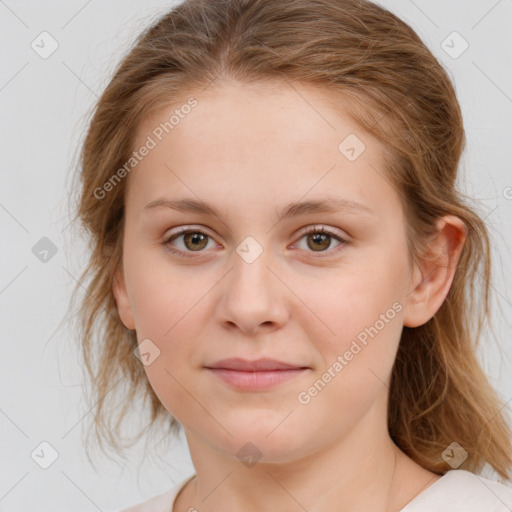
324,229
187,227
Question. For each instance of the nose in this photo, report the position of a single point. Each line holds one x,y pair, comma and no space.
254,298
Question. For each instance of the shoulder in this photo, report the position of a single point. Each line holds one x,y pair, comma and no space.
160,503
460,490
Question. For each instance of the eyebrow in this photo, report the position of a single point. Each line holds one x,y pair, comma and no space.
330,204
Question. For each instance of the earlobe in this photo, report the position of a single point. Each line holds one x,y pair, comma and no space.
122,301
432,282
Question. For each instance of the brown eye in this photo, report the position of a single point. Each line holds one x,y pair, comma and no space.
319,241
195,241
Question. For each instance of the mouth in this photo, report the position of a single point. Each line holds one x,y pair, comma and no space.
255,375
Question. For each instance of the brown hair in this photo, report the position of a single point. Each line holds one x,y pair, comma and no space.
396,90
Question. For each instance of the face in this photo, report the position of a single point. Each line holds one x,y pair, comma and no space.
250,283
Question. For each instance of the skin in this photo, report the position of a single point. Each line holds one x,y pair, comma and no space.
248,150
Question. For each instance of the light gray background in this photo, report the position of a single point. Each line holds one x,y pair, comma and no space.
42,104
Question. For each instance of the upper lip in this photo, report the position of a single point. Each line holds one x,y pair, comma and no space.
256,365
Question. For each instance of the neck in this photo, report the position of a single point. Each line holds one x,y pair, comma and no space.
361,471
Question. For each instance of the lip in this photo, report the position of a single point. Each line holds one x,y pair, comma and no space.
255,365
255,375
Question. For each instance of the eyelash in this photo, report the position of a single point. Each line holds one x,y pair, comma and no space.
309,231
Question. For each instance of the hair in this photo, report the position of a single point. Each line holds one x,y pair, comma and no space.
387,80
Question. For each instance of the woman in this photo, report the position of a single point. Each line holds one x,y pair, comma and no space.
283,265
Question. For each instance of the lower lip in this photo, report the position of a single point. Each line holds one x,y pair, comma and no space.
255,381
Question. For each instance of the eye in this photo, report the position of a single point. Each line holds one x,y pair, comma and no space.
194,240
319,239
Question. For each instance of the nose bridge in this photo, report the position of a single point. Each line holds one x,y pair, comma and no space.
252,293
251,275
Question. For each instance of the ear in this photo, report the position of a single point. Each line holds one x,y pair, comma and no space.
433,278
122,301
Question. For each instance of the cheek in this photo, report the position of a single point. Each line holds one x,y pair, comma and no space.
162,295
365,312
172,323
172,319
167,312
360,305
357,360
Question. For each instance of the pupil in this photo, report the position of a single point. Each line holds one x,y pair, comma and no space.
318,239
196,238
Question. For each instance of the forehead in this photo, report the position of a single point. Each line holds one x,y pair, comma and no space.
291,111
254,141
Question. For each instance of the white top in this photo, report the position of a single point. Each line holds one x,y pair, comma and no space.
456,491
